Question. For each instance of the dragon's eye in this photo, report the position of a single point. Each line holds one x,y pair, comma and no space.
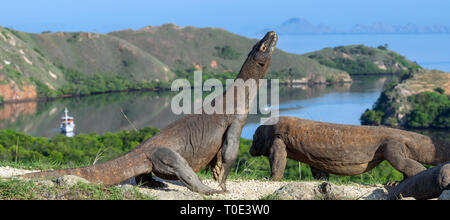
263,48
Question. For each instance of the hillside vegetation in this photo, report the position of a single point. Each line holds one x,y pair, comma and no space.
80,63
360,59
217,50
421,100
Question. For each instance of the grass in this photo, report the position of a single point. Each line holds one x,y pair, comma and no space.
381,174
33,190
39,165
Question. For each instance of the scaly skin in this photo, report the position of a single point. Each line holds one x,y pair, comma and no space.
344,149
188,144
427,184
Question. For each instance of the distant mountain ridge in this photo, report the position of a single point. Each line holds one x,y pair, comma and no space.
302,26
381,27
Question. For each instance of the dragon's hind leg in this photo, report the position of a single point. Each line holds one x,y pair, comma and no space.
319,174
397,154
169,163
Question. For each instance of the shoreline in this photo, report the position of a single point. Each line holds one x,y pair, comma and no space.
50,99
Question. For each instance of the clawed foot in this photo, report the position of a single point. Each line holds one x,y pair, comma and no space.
392,183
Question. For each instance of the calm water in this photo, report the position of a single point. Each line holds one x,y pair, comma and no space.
102,113
341,104
431,51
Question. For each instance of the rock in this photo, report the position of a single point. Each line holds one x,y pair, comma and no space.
352,192
445,195
70,180
298,191
170,194
8,172
126,187
47,183
329,191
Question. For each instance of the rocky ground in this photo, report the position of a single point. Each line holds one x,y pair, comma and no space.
241,189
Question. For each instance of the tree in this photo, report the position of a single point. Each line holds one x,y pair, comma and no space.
371,117
439,90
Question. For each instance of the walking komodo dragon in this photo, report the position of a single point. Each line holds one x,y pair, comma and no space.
344,149
189,144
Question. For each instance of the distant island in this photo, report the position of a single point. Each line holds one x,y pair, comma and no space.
295,26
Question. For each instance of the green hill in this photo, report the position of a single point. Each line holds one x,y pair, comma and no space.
55,64
21,65
360,59
91,53
217,50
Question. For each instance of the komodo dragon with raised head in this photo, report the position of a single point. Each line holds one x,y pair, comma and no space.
427,184
189,144
344,149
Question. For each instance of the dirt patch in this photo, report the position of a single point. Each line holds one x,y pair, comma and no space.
50,86
27,60
428,80
380,65
346,56
127,48
52,75
6,172
11,40
13,92
213,64
197,66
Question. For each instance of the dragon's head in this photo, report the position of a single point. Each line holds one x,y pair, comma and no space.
262,51
258,59
261,141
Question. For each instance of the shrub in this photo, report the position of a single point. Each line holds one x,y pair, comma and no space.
226,52
391,121
383,47
81,149
429,109
439,90
4,154
83,84
371,117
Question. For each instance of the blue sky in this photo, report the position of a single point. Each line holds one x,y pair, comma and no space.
237,16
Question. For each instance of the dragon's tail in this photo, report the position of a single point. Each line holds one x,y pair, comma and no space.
109,173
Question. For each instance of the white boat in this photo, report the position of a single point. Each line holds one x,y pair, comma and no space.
67,124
